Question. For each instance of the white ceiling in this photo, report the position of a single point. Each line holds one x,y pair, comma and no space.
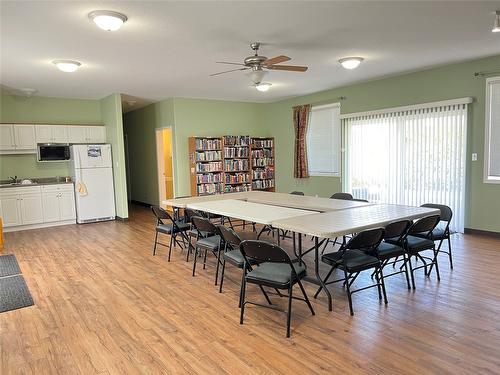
169,48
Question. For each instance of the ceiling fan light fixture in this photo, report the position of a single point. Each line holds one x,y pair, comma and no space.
496,25
263,87
256,75
67,66
350,62
107,19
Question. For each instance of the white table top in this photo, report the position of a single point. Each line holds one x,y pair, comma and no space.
183,202
338,223
250,211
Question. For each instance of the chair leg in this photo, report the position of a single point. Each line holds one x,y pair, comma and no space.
324,281
449,253
156,241
205,259
242,302
377,278
306,298
217,267
195,258
411,272
265,295
435,261
383,286
349,297
170,246
289,312
241,287
222,275
406,273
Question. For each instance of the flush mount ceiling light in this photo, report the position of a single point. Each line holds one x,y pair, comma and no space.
350,62
263,87
496,26
67,66
107,19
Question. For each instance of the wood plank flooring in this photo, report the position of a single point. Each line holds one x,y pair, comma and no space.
105,305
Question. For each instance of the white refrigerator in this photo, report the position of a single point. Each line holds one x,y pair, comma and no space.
92,172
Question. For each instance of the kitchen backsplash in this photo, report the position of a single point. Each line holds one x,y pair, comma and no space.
27,166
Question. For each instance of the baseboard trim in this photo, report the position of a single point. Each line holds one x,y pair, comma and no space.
38,226
482,232
123,219
141,203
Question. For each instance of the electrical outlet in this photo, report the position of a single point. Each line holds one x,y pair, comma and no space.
474,156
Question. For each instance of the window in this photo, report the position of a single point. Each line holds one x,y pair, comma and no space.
492,131
411,156
323,141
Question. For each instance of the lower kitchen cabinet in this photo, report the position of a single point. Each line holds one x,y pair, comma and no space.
58,203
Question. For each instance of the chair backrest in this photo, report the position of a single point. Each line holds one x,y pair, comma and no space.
366,240
344,196
189,213
446,212
295,192
263,251
161,214
424,225
397,229
203,224
229,236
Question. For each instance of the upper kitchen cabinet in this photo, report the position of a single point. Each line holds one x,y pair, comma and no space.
17,138
51,134
87,134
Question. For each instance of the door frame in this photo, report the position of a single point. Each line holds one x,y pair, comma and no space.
160,161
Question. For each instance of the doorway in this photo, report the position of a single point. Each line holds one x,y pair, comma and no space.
164,157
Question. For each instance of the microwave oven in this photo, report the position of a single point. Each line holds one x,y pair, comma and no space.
53,152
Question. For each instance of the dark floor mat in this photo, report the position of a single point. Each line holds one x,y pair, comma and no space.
8,265
14,293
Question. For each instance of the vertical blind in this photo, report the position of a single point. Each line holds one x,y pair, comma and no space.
492,144
409,157
323,140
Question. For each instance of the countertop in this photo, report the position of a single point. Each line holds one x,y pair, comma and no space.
35,182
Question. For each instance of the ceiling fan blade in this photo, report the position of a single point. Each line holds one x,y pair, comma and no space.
276,60
230,63
292,68
227,71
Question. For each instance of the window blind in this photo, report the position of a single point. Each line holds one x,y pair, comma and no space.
323,140
492,131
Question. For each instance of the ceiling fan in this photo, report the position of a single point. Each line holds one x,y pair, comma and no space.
256,64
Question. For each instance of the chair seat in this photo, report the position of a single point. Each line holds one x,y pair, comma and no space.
167,228
332,258
198,233
210,243
388,250
275,274
236,257
417,244
437,234
356,261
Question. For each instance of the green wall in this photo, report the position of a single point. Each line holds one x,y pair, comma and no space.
111,113
188,117
44,110
441,83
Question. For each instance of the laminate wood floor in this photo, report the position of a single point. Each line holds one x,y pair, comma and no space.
105,305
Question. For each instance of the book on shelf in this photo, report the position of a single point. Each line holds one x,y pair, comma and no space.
208,178
262,184
237,140
236,165
262,162
214,166
208,155
262,143
208,144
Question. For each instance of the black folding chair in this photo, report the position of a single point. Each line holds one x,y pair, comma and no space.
353,258
414,245
297,192
275,270
209,242
343,196
440,234
172,228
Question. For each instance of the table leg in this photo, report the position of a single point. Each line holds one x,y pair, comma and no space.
317,280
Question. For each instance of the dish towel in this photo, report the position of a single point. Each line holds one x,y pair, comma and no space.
81,188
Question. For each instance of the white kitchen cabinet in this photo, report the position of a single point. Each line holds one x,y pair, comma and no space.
87,134
24,136
7,141
11,215
58,202
51,133
31,208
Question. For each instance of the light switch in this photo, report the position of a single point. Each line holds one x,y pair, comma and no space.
474,156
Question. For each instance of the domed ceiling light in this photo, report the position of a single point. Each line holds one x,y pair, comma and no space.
107,19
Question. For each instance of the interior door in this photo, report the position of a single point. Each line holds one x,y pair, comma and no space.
7,141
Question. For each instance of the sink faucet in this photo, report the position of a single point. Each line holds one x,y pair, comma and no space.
13,179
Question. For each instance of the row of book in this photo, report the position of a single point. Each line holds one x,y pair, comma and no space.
209,167
236,140
209,188
236,165
262,153
262,184
237,178
262,162
259,143
208,155
208,144
266,173
236,152
235,188
209,177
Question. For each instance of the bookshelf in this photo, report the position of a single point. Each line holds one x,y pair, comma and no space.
262,160
230,164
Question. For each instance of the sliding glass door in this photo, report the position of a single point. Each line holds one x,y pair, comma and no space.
409,157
